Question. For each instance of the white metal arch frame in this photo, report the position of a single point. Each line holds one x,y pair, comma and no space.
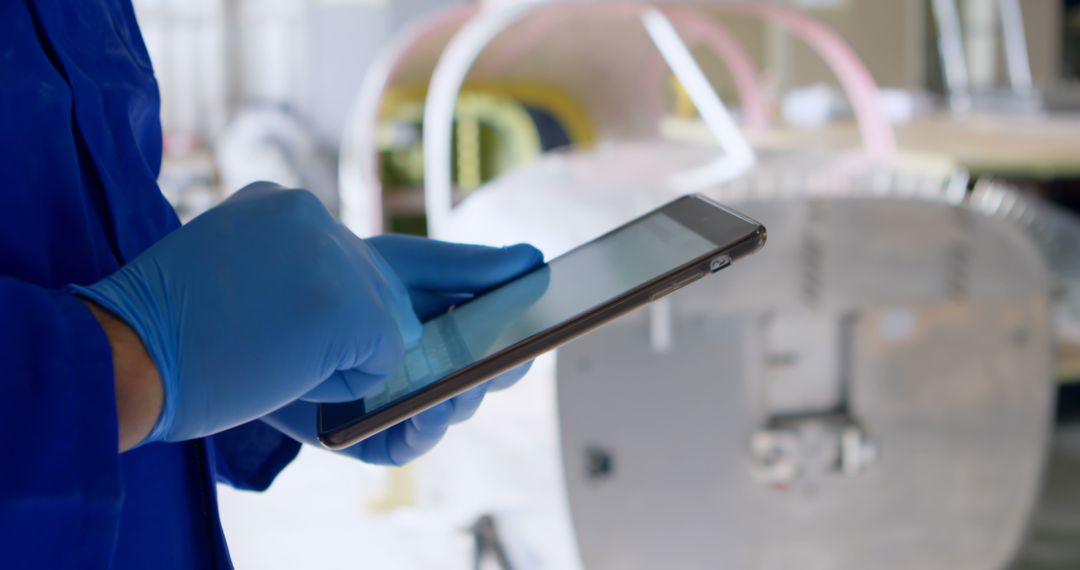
359,183
359,178
466,47
478,33
716,36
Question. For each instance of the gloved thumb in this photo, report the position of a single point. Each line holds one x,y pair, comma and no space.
445,267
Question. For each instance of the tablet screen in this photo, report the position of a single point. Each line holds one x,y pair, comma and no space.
547,297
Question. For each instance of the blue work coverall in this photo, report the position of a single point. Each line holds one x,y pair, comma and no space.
80,150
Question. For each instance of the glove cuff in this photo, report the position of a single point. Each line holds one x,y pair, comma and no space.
127,298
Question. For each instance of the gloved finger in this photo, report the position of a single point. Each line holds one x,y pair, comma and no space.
397,445
350,385
466,404
296,420
428,304
254,189
374,450
344,386
365,370
407,440
509,378
398,294
421,432
455,268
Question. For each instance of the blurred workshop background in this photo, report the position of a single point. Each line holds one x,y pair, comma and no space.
890,384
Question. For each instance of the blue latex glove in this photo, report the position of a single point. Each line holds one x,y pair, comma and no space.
256,303
437,275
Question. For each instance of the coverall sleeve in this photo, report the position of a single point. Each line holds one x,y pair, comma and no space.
249,457
60,487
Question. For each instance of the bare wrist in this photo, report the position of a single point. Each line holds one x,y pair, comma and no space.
139,393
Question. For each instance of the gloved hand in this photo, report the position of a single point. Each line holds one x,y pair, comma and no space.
437,275
256,303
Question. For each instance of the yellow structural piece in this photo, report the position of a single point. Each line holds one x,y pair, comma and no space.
684,106
400,491
564,108
493,130
517,136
